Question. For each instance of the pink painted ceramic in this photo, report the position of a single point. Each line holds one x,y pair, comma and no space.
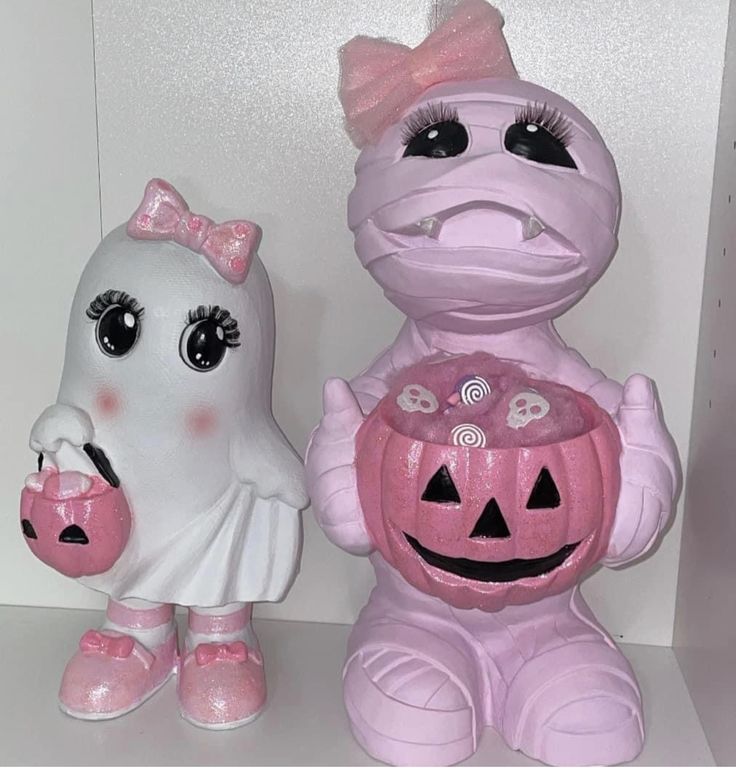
485,206
517,525
82,534
112,674
222,685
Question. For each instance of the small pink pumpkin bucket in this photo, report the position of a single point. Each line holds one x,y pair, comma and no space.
78,525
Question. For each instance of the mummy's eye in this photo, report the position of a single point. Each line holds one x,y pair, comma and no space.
540,134
434,131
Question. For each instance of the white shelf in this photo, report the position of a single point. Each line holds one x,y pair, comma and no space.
304,724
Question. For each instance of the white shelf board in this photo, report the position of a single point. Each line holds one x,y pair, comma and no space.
304,723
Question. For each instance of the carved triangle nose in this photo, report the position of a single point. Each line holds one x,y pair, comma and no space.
73,534
491,524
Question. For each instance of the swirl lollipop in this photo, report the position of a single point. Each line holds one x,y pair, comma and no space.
468,391
474,389
468,436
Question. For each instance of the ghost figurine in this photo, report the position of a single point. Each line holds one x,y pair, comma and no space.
162,469
485,207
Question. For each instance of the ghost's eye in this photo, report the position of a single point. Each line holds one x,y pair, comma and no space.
209,333
540,134
434,131
118,322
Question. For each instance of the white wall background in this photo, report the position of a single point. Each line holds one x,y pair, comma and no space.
234,101
50,223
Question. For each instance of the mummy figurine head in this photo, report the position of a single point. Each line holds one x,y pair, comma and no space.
482,202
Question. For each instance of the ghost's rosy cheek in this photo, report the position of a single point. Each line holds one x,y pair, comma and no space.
201,420
108,402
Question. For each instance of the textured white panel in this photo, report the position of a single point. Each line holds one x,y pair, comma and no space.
705,627
236,103
50,220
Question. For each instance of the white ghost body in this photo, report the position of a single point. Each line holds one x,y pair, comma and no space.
214,487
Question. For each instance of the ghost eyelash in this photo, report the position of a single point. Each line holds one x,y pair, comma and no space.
111,298
547,117
220,316
424,117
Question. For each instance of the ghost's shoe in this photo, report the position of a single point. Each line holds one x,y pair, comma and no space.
112,673
407,710
578,704
221,685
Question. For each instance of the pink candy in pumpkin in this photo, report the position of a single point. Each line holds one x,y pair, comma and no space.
508,408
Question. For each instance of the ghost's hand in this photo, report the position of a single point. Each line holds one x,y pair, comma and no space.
649,473
331,475
60,424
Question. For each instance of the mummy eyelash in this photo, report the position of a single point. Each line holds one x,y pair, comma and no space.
549,118
220,316
424,117
111,298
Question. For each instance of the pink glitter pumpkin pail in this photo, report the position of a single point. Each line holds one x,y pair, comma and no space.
79,534
479,499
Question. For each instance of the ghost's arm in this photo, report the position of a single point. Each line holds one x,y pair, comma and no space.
262,457
60,424
650,467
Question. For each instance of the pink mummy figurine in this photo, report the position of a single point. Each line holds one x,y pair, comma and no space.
163,478
485,206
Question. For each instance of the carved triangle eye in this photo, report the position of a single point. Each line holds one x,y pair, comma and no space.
441,488
544,495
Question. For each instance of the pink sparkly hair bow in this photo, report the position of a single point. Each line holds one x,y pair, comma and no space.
164,215
379,79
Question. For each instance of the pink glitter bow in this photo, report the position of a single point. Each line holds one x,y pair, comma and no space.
207,653
164,215
108,645
380,79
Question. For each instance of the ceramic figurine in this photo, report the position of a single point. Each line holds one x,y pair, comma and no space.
485,207
163,478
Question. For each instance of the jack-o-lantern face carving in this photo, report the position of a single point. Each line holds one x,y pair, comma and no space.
486,528
80,532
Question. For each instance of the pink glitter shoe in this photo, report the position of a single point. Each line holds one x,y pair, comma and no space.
111,674
221,685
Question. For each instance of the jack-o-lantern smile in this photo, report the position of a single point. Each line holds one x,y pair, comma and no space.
491,524
478,570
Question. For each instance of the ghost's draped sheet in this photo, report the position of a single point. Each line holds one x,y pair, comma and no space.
244,548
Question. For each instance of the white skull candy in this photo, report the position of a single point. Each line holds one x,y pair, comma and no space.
525,408
415,397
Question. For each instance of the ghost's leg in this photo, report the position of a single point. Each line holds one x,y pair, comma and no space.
124,663
576,701
221,679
